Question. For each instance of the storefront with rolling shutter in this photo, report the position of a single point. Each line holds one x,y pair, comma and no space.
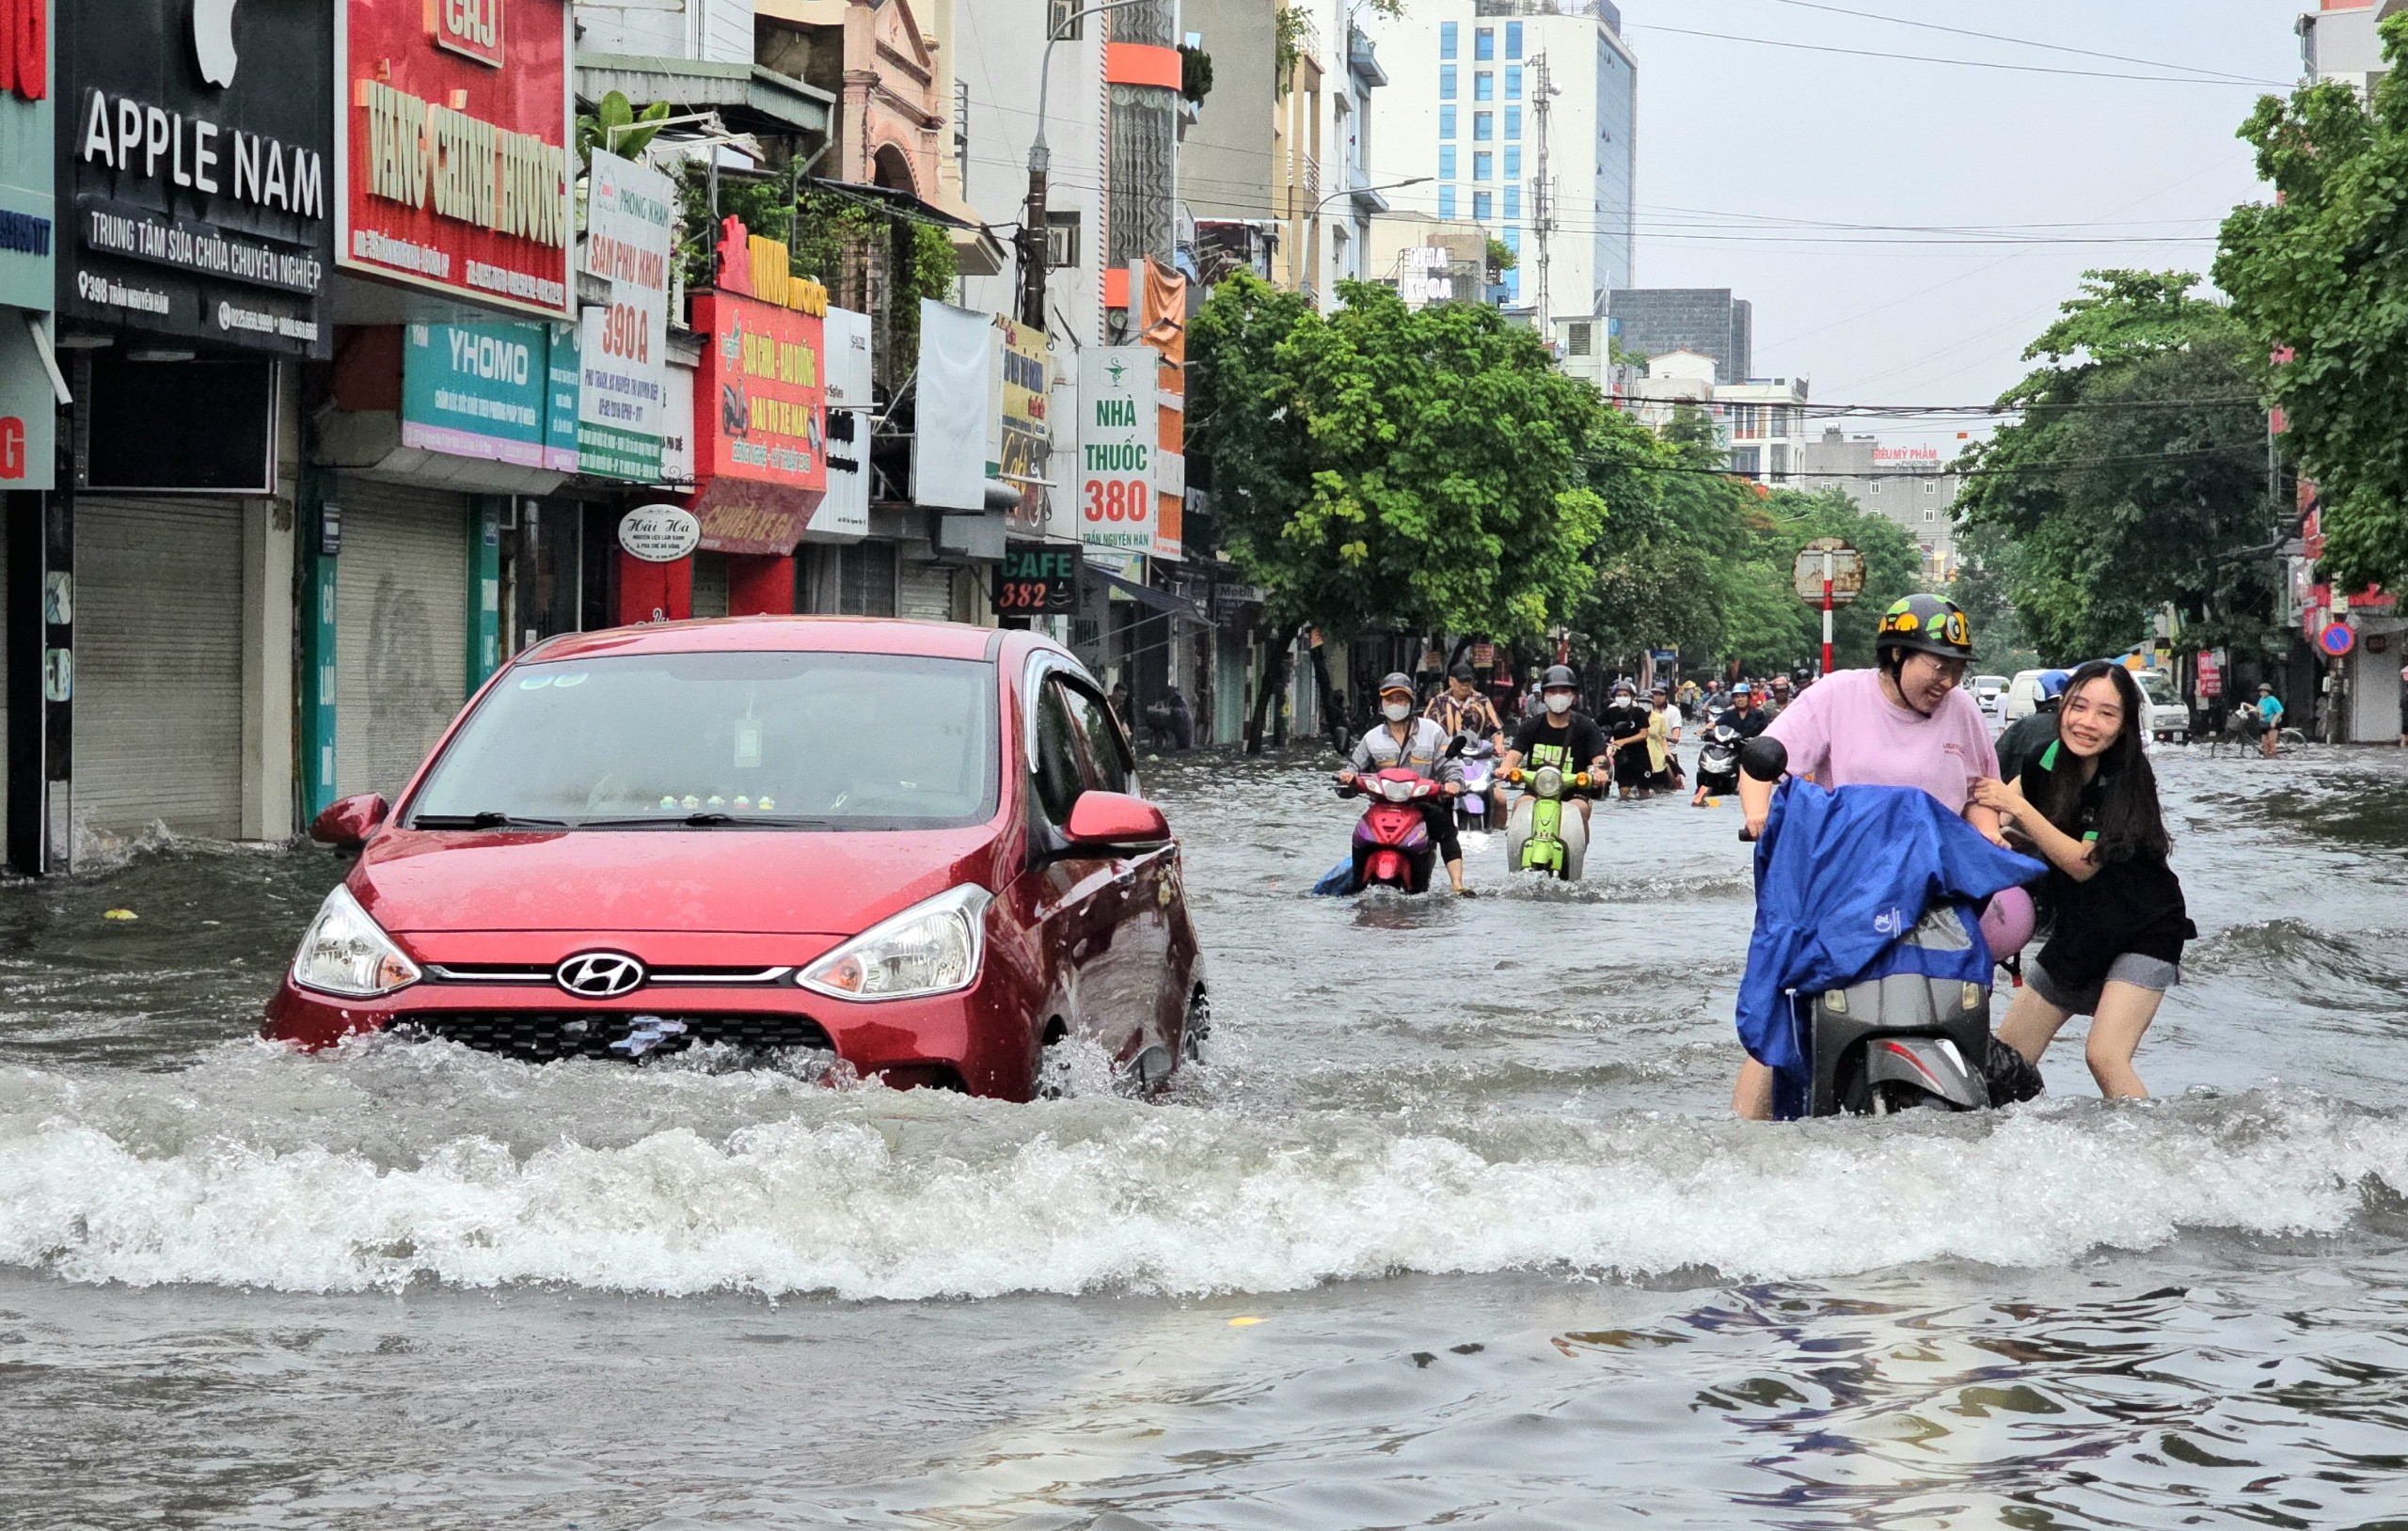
158,735
402,622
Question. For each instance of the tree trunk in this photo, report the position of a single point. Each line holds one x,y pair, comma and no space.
1331,722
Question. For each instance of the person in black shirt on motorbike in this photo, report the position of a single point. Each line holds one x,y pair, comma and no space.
1625,726
1562,726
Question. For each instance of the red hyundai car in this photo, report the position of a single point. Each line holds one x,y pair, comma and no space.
914,847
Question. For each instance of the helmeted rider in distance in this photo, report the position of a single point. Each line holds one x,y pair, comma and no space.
1572,740
1419,746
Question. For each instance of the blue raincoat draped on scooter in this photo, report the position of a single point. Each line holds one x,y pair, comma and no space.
1841,876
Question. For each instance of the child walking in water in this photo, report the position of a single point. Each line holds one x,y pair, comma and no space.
2088,804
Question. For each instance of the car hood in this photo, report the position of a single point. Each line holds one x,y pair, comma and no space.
693,881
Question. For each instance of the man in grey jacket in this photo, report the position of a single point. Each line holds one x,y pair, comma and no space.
1419,746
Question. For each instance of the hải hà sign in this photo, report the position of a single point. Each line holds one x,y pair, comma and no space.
760,417
628,209
1118,434
197,156
480,390
451,158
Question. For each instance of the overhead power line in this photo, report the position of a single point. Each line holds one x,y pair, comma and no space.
1960,63
2024,42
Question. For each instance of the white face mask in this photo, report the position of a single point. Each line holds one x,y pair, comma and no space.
1558,702
1398,711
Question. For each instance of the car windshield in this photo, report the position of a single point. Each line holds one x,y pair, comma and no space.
2156,686
1991,682
811,740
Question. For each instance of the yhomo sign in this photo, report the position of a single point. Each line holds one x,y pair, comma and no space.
1036,580
1118,431
480,391
452,164
197,157
623,366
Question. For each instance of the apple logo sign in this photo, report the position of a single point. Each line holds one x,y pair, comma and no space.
213,40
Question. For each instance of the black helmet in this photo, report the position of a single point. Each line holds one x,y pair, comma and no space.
1397,681
1559,675
1926,624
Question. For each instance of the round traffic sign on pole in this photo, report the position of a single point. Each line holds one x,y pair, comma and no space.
2336,640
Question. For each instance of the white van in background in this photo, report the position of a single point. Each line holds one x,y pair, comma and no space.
2021,697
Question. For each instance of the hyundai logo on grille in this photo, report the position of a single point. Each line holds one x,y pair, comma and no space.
599,975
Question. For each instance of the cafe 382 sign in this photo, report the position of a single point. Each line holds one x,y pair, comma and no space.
198,158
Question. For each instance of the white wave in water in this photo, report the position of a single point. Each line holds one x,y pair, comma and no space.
289,1174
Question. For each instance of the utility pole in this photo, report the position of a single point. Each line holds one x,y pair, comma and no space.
1542,188
1033,234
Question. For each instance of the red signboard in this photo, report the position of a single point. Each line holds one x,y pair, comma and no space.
760,422
451,149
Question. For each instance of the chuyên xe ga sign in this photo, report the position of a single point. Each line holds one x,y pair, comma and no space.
760,398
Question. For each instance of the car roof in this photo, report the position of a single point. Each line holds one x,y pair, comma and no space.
737,635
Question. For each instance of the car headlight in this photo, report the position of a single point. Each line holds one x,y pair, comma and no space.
344,952
934,947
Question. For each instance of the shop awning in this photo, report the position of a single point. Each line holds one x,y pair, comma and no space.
748,97
1146,596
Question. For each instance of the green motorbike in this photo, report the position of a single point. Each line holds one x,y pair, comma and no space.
1545,833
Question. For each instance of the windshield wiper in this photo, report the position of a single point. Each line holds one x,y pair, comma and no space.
489,819
707,820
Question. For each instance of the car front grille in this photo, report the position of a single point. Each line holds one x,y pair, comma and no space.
543,1036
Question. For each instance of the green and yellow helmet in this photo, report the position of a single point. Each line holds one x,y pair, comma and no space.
1926,624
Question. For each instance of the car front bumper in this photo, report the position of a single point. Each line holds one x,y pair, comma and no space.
977,1039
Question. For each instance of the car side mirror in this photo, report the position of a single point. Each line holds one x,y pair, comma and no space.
1764,758
347,822
1114,820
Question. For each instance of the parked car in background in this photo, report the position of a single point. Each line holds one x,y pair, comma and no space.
914,849
2169,721
1988,689
2021,697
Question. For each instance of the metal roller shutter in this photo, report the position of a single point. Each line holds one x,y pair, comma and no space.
159,665
401,629
710,585
927,592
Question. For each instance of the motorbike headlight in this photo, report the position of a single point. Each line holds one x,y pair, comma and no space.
344,952
934,947
1397,792
1548,783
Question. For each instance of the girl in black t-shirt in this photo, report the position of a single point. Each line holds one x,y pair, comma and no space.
2088,804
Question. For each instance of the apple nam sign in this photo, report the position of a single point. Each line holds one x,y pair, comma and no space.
195,138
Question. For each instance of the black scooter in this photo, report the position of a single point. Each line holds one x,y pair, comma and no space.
1904,1041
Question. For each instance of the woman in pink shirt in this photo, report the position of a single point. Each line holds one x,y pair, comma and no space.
1903,723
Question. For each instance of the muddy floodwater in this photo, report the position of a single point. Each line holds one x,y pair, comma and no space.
1450,1228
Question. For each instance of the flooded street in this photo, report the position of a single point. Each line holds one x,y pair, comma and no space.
1451,1227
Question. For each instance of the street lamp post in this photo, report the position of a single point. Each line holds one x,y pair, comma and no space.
1032,231
1349,190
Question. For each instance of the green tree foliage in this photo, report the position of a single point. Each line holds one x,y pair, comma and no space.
1383,469
1990,566
2322,273
2136,475
618,128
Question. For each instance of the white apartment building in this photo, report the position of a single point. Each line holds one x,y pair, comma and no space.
1483,93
